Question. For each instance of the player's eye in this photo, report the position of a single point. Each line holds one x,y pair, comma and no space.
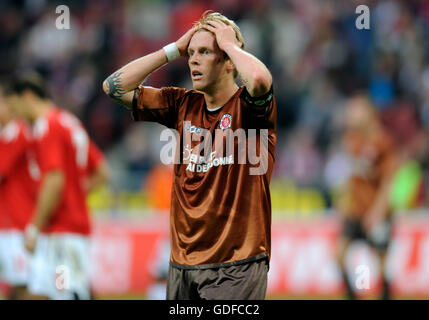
206,51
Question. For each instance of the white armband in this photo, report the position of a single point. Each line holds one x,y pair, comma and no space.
171,51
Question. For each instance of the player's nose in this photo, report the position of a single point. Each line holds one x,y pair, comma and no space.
193,60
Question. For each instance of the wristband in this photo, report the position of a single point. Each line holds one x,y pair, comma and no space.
171,51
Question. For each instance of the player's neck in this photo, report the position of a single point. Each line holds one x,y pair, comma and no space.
5,119
220,95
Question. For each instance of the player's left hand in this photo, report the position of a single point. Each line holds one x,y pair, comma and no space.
30,238
225,35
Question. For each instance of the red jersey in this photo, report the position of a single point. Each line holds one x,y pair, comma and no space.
62,143
18,176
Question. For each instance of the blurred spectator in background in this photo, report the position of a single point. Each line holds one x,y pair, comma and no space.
159,183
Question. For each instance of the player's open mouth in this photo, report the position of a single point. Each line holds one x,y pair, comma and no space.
196,75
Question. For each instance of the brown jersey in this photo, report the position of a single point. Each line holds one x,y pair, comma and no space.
220,213
374,160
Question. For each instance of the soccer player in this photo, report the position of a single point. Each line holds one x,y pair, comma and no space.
70,164
17,199
220,216
374,161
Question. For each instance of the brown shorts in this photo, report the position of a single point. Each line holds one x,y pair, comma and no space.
380,239
246,281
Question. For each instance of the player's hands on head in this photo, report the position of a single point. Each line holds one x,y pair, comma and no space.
183,43
225,35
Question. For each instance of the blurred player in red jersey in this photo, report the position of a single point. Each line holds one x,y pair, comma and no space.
17,198
374,159
70,166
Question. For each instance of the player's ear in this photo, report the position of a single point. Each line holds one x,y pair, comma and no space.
230,67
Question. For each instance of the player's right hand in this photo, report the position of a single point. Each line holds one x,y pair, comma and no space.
183,43
30,237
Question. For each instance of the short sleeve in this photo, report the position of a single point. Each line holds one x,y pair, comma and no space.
49,138
13,145
157,105
95,157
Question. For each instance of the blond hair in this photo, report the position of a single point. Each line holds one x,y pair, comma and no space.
209,15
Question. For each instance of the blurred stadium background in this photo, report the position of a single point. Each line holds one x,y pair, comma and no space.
318,59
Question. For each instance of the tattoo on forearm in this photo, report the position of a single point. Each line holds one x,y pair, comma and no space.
115,87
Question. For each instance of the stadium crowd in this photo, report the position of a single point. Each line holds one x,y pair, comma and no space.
316,54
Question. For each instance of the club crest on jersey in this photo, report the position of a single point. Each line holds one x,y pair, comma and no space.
225,122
